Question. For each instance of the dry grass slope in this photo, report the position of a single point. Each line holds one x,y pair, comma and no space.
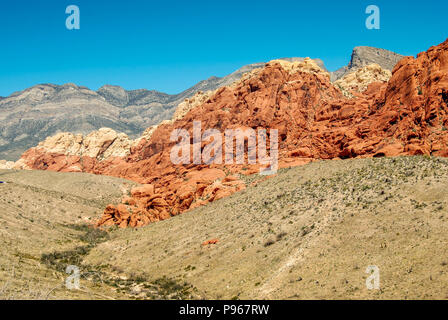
309,232
42,212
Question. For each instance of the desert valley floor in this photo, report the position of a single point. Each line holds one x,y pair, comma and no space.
309,232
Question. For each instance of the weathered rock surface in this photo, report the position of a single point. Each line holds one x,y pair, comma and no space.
6,165
360,79
408,115
184,107
305,65
101,144
29,116
145,205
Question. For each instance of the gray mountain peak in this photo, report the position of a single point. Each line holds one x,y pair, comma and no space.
363,55
115,95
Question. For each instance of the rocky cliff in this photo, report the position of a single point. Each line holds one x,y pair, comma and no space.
407,115
31,115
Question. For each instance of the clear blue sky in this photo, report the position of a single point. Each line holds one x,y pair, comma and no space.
171,45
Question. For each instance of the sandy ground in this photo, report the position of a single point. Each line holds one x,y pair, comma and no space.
308,233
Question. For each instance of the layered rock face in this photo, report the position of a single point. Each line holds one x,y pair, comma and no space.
408,115
146,205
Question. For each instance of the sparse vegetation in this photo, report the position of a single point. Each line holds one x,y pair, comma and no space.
322,223
269,243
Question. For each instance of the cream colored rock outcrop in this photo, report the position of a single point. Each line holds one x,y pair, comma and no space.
6,165
100,144
184,107
359,80
307,65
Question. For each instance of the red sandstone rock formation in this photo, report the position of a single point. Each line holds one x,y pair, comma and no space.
143,207
406,116
208,242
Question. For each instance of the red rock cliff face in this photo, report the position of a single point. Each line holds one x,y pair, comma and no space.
406,116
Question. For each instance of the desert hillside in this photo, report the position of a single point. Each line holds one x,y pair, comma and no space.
370,112
211,159
309,232
43,212
46,220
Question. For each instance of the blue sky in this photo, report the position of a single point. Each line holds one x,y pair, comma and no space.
171,45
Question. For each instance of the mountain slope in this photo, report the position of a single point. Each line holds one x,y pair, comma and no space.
46,222
31,115
45,212
43,110
363,56
310,232
408,115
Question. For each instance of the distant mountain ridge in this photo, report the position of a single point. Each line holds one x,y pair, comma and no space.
29,116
